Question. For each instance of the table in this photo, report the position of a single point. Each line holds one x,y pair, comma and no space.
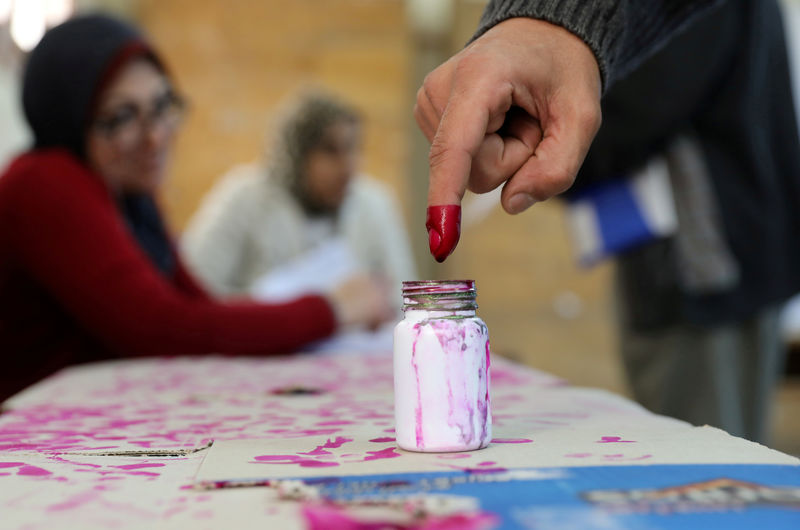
307,442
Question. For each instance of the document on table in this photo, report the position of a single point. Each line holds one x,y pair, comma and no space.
318,271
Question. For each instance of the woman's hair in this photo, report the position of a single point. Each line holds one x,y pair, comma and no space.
301,128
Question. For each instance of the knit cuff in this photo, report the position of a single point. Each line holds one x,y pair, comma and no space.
599,23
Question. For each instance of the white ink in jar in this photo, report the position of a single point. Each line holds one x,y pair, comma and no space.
441,369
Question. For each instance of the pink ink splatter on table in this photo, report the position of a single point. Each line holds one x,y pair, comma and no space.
578,455
389,452
293,459
623,458
613,439
383,439
511,440
319,451
33,471
139,466
481,468
75,501
337,442
453,456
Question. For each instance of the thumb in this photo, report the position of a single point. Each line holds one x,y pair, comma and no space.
551,170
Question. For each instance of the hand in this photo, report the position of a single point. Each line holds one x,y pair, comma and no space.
361,301
520,106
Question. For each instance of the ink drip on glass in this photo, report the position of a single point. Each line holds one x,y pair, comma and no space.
441,369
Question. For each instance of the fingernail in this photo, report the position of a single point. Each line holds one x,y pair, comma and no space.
520,202
444,229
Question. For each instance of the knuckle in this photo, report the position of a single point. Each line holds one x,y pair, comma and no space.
438,153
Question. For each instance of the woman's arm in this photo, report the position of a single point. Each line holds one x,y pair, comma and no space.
69,236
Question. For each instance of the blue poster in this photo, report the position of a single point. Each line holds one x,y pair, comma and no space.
609,497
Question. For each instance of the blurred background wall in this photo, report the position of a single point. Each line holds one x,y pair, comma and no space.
238,60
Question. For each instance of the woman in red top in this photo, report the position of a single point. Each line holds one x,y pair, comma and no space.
87,270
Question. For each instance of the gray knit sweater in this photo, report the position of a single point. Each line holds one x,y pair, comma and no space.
621,33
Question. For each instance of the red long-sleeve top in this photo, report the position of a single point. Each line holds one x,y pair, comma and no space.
76,287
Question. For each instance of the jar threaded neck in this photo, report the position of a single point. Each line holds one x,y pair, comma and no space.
439,295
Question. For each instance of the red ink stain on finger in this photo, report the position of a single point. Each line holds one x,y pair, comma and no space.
383,440
33,471
511,440
443,223
613,439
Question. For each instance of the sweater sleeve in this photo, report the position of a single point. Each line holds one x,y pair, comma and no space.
671,93
70,238
621,33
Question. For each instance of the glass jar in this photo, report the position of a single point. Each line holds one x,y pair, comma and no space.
441,369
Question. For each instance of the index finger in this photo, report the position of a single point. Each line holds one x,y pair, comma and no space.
461,132
456,142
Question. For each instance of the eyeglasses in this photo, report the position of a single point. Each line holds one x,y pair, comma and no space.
127,124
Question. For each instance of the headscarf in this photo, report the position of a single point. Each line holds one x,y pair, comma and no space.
64,75
302,129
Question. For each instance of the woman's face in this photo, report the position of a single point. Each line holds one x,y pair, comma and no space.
331,164
132,132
